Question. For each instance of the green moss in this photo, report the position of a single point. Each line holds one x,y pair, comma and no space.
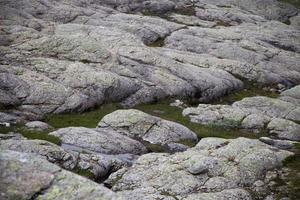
296,3
30,133
84,172
87,119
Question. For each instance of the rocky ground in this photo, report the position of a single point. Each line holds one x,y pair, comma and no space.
61,56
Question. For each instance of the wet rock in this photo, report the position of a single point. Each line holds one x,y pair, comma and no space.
38,125
25,176
98,141
139,125
214,168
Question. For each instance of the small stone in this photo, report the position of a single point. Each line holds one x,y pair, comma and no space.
38,125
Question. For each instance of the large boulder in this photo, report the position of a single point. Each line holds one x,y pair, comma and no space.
98,141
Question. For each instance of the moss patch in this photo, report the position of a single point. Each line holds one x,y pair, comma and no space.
87,119
84,172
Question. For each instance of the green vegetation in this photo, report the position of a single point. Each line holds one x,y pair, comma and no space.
84,172
30,133
87,119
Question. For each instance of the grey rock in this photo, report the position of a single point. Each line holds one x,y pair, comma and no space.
98,141
281,144
215,168
35,175
46,150
142,126
284,129
38,125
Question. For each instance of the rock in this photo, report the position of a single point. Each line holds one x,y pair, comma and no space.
255,121
25,176
221,115
101,165
38,125
215,168
46,150
281,144
139,125
179,104
8,118
284,129
98,141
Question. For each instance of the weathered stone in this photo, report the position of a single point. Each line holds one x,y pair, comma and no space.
284,129
98,141
46,150
25,176
142,126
